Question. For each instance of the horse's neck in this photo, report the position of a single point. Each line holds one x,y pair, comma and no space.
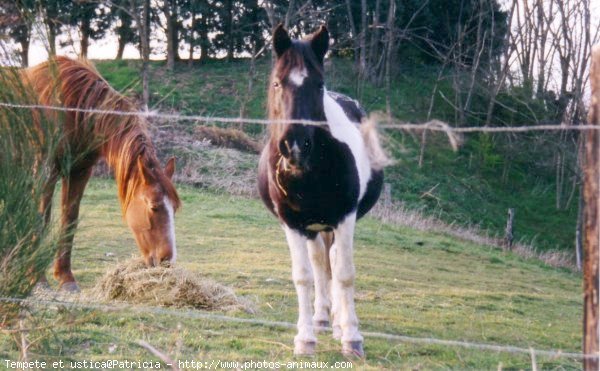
122,149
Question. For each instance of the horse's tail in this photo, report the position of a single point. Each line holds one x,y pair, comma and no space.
377,156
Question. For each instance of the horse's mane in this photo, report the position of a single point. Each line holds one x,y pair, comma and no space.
121,139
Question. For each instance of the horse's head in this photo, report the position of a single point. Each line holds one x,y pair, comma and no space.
152,202
296,92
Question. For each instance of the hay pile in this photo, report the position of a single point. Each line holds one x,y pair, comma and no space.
229,138
164,285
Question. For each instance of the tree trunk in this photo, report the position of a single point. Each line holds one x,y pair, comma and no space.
288,14
167,11
389,53
144,28
52,40
374,38
120,49
354,32
229,24
175,30
203,35
191,39
85,37
363,38
25,52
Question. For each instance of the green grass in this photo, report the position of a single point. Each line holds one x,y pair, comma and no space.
468,186
411,283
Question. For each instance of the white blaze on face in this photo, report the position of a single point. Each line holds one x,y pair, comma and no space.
347,132
297,76
171,226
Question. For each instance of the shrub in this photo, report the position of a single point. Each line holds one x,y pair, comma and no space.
27,141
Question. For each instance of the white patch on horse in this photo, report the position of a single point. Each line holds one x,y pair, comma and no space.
295,149
344,130
302,275
298,75
171,214
342,284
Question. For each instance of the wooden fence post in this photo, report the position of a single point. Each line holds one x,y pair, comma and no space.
591,239
387,195
509,231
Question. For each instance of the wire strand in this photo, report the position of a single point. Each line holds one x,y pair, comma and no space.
432,125
196,314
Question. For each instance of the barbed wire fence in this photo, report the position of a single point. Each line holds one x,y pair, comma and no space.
433,125
589,356
197,314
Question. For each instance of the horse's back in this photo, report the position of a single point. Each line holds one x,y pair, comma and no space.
75,83
351,107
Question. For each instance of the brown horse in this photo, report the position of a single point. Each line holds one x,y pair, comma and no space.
147,195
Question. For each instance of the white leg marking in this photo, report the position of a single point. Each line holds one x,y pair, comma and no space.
347,132
171,213
335,298
343,280
297,76
303,280
319,262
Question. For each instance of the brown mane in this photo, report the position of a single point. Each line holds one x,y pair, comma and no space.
120,139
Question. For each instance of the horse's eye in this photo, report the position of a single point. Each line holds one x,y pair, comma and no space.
154,208
275,84
321,85
306,143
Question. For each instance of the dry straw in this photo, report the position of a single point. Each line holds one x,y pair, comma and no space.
165,285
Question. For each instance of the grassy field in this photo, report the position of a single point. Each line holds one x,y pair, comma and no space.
474,186
411,283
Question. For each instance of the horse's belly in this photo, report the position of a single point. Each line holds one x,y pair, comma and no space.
317,212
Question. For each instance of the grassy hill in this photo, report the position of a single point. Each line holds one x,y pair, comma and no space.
419,284
473,186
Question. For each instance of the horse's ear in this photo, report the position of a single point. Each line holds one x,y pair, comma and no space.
146,173
320,42
281,40
170,168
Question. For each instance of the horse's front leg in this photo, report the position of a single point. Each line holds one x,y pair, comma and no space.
72,192
305,341
319,260
342,286
45,209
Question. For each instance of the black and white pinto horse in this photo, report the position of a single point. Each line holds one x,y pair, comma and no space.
318,180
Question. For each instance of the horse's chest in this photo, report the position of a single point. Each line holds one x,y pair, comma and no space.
320,199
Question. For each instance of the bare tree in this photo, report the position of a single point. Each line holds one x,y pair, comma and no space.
170,12
142,20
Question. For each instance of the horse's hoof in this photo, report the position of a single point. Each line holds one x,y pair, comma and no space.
353,349
321,325
336,332
70,287
304,348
